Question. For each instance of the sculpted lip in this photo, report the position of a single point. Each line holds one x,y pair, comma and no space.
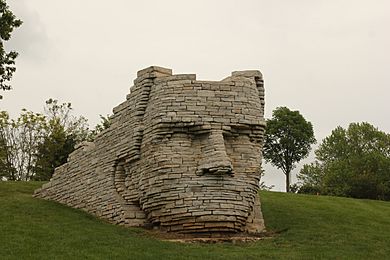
181,155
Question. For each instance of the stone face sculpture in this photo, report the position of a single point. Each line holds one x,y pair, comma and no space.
181,155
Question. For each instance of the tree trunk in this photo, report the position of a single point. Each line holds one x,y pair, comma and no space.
288,181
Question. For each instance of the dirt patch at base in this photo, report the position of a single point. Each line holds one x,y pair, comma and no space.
211,238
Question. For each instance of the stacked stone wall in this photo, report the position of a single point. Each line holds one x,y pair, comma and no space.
182,155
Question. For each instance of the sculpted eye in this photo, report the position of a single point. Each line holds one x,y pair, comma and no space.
161,138
255,139
196,133
252,134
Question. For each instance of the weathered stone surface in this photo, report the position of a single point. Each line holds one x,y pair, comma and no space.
181,155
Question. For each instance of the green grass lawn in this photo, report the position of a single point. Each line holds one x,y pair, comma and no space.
316,227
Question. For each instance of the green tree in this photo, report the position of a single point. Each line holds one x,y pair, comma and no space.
8,22
34,144
352,162
63,132
5,165
53,151
288,140
310,178
19,143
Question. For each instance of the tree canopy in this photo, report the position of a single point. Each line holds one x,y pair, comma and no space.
288,140
63,132
352,162
19,143
32,145
8,22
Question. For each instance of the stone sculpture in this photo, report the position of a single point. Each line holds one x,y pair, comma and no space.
181,155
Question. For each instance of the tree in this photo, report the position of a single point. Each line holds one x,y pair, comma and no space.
8,22
61,114
19,143
63,133
310,178
5,165
352,162
288,140
34,144
53,151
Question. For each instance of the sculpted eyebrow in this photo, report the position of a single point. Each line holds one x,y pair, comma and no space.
186,127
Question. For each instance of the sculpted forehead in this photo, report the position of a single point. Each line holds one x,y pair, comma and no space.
206,102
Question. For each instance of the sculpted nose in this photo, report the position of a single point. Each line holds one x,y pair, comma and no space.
215,159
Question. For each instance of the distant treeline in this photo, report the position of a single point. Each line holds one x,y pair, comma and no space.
32,145
352,162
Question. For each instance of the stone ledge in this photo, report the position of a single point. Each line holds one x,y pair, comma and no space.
247,74
151,69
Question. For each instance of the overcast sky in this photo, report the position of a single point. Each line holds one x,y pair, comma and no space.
328,59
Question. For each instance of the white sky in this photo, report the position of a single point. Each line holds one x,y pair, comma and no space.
328,59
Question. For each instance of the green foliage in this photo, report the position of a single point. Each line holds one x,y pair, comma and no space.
353,162
63,132
310,177
19,143
53,152
6,167
60,115
34,144
8,22
288,140
306,227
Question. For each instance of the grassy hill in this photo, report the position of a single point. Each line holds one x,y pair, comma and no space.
315,227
